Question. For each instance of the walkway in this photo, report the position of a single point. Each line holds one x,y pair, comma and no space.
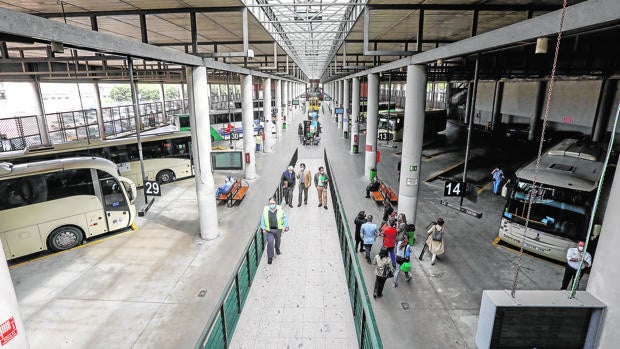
301,300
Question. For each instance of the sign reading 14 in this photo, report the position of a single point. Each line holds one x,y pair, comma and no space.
454,189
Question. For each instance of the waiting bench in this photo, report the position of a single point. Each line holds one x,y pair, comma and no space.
385,192
235,194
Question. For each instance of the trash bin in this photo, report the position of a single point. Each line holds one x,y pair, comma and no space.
346,135
373,173
355,149
284,125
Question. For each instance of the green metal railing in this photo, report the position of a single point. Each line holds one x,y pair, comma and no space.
365,324
223,321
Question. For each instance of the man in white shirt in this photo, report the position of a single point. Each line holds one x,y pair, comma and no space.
574,255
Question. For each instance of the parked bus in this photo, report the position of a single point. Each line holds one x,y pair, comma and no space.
166,156
229,123
390,124
564,195
56,204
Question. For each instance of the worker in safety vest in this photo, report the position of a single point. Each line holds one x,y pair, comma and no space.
272,222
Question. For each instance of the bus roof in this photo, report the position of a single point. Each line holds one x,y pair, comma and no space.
86,145
569,164
45,166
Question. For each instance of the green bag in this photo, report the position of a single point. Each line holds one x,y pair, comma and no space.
405,267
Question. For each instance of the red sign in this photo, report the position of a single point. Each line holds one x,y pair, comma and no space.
568,119
8,331
378,156
368,147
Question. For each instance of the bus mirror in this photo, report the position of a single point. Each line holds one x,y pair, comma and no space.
596,231
130,188
505,189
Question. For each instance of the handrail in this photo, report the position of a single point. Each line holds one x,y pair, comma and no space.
221,326
363,315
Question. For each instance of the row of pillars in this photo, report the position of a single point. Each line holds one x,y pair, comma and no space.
413,128
198,91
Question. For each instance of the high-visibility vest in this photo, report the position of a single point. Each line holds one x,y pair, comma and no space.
279,216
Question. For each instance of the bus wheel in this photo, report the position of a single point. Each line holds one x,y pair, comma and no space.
64,238
165,176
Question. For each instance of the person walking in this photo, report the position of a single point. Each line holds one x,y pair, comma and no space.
320,182
369,232
305,180
498,177
389,240
272,222
403,255
387,210
383,271
574,256
359,220
288,184
435,239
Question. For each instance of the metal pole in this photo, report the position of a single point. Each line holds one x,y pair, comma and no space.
136,112
471,119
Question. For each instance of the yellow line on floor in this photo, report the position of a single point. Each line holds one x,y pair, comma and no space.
485,187
133,228
496,241
436,174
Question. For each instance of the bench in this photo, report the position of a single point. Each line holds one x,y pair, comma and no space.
384,193
235,194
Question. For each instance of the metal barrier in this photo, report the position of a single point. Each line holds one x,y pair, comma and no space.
363,316
19,132
223,321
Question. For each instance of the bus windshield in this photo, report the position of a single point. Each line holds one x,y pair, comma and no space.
562,212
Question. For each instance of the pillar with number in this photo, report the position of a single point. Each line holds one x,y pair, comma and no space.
247,116
355,113
198,91
268,143
413,132
371,124
279,108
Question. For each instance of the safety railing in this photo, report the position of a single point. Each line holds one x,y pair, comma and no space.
223,321
363,316
19,132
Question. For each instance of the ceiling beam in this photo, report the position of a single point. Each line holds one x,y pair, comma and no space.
157,11
465,7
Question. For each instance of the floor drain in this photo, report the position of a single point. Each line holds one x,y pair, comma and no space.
405,305
202,293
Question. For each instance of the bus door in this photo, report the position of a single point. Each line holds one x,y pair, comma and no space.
115,204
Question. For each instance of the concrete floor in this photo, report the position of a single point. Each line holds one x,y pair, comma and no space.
141,289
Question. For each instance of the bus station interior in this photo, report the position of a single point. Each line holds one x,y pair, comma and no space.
489,65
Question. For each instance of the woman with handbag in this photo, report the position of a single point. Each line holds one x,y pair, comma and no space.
435,240
383,271
403,253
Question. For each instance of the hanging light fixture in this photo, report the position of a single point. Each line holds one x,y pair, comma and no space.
541,45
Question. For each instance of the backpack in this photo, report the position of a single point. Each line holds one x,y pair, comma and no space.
437,234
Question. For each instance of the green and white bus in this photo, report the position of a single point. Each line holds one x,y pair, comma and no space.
56,204
566,186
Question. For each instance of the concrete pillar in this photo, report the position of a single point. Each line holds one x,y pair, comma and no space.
345,105
604,277
100,124
413,133
496,118
45,137
279,109
198,92
9,311
603,112
285,101
183,98
355,113
372,115
268,143
247,115
340,101
539,110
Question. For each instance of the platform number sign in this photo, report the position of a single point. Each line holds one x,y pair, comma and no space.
454,189
152,188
